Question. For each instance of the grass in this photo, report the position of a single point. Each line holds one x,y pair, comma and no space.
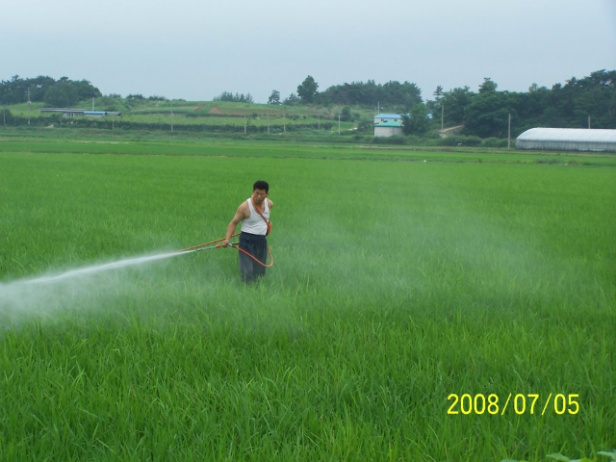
189,115
397,283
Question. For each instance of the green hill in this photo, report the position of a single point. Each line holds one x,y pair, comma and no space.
196,116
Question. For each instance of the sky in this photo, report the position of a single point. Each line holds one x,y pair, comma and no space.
197,49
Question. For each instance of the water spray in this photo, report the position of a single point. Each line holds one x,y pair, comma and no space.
44,294
146,259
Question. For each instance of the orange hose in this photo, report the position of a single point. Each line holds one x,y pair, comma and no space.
234,245
206,244
271,263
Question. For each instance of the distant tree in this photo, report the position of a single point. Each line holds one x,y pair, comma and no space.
487,86
307,90
488,114
274,97
456,103
292,99
38,86
85,90
18,90
62,94
402,96
345,114
11,92
234,98
70,92
396,96
354,93
417,122
593,97
531,106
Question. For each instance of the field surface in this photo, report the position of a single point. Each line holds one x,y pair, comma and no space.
446,306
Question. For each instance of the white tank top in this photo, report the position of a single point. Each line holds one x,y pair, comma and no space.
255,224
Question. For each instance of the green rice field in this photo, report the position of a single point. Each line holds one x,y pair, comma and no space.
423,305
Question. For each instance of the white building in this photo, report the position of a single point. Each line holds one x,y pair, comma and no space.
386,125
567,139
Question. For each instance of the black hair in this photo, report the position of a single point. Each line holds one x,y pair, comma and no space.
261,185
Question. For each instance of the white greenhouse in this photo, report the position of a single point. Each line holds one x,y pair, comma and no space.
567,139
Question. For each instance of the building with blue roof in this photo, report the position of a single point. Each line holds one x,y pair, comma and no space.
386,125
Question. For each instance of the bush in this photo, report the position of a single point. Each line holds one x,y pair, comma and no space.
5,116
396,139
494,143
459,140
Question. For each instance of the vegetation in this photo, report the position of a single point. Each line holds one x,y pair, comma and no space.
234,98
485,114
584,103
476,273
393,95
307,91
61,93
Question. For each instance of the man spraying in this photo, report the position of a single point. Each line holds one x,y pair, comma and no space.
254,214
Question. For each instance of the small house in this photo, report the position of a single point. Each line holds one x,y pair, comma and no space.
386,125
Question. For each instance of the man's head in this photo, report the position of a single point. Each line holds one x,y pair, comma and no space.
261,185
259,192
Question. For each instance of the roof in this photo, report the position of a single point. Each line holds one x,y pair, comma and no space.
388,124
569,134
580,139
387,116
80,112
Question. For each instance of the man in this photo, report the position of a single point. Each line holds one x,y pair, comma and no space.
254,214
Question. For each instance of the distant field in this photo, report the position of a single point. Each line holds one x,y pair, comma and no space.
180,115
447,305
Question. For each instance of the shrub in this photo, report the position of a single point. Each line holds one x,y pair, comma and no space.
396,139
459,140
494,143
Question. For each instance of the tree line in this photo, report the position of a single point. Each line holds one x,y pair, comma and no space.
579,103
234,97
589,102
393,95
57,93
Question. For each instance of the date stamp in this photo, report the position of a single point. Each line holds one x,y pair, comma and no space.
517,403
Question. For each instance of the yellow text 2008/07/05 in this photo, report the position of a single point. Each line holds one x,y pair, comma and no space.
518,403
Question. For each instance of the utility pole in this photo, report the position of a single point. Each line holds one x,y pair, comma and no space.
509,133
589,121
442,118
171,118
29,104
339,122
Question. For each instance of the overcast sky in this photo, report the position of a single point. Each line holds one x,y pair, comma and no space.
196,49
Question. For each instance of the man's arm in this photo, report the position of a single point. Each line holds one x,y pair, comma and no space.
241,214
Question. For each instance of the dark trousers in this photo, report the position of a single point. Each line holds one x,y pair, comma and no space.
256,246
